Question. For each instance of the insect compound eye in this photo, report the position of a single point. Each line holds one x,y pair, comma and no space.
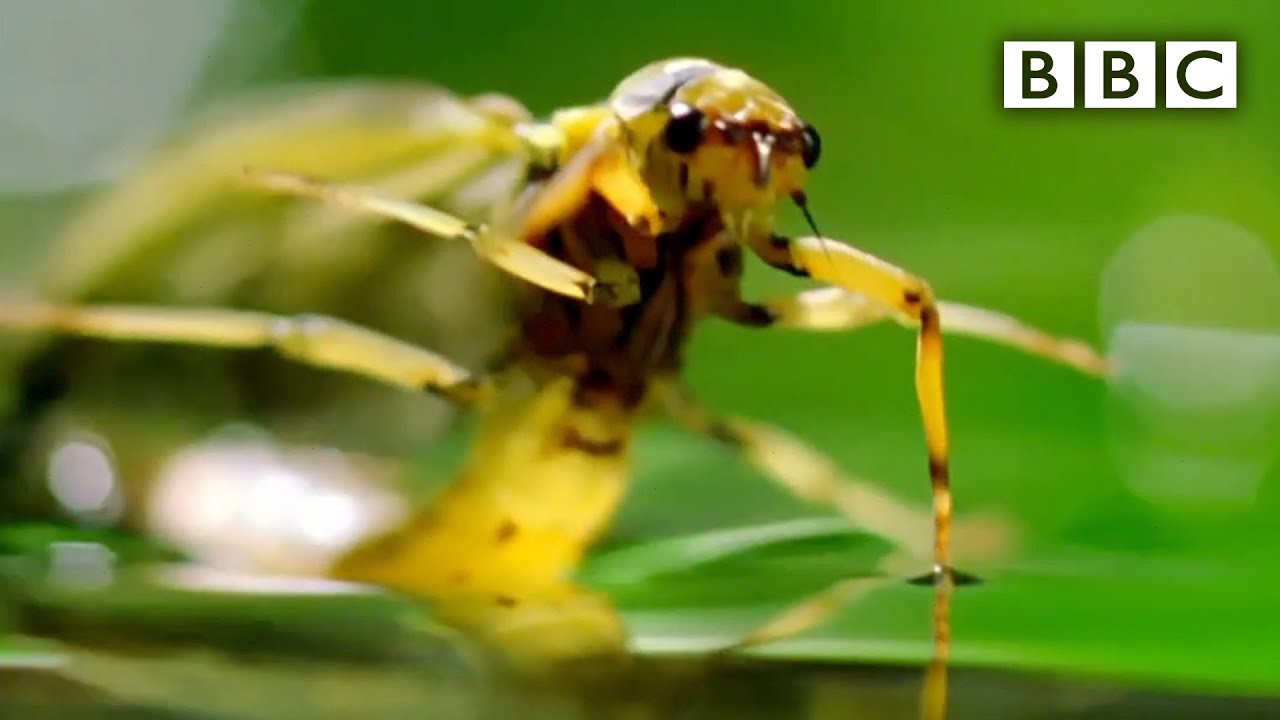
685,129
812,149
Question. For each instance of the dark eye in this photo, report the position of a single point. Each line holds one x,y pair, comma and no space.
812,149
685,129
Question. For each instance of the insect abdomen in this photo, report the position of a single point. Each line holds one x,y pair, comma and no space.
540,485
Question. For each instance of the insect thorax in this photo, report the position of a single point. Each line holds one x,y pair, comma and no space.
619,349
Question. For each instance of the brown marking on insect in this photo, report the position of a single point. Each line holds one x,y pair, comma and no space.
729,261
505,601
938,470
549,332
930,328
462,392
538,172
506,531
755,315
575,440
600,388
640,249
371,552
778,254
387,545
725,433
733,133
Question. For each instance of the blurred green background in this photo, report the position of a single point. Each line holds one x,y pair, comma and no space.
1125,571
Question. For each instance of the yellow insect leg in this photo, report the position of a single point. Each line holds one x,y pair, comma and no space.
908,296
311,339
836,309
809,474
508,253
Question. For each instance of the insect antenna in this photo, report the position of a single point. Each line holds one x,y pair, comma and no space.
802,201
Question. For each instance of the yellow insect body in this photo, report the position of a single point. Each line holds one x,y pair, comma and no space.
497,549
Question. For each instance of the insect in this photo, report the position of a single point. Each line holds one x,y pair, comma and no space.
625,229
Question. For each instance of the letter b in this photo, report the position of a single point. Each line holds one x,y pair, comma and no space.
1120,74
1044,72
1039,75
1116,66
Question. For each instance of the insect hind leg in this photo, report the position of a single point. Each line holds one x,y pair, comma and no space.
810,475
315,340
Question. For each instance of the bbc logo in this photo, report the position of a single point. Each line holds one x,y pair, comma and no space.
1120,74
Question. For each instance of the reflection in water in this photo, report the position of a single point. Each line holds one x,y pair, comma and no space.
935,693
304,679
81,565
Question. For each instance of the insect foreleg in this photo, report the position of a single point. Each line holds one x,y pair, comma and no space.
910,297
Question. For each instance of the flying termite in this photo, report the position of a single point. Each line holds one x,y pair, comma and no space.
626,227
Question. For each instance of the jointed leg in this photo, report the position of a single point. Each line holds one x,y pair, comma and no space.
999,327
510,254
883,290
311,339
804,471
909,297
813,611
832,308
812,476
429,178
